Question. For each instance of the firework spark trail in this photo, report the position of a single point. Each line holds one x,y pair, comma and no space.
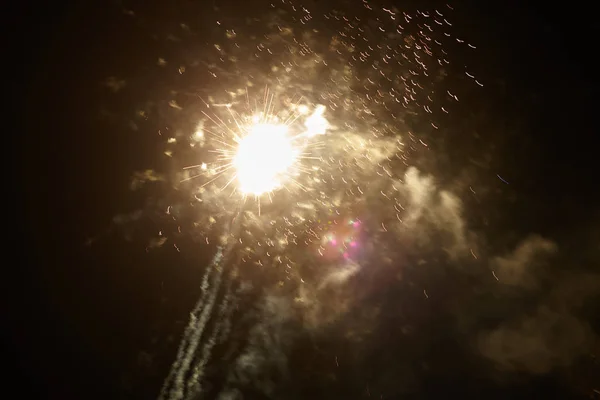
190,328
222,319
178,391
176,379
193,333
187,346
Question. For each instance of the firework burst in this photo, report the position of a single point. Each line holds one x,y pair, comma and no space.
377,77
326,150
259,151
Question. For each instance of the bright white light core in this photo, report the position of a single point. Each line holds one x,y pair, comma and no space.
263,158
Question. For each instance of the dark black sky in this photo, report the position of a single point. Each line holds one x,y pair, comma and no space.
92,322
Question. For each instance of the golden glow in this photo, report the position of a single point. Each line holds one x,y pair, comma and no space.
263,158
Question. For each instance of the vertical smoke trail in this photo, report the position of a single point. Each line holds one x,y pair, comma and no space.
222,319
177,392
200,315
190,337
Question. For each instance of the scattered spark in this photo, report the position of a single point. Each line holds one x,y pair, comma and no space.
502,179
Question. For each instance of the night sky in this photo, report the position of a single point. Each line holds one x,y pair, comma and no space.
92,314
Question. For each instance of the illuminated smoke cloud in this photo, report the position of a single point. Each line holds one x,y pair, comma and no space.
554,333
538,343
263,363
519,267
430,209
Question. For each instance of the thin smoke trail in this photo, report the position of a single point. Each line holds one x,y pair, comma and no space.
195,328
204,317
191,328
226,325
222,318
178,390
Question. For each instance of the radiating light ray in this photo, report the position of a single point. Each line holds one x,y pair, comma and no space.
193,166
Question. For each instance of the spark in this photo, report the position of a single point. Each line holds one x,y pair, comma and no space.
502,179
